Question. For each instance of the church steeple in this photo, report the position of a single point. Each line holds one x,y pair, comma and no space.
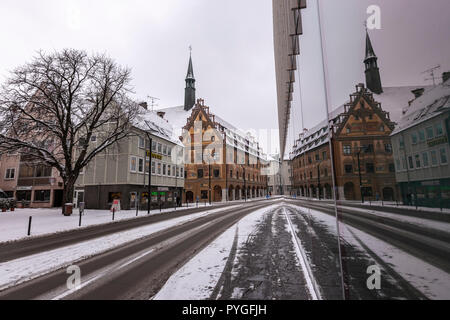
189,93
373,79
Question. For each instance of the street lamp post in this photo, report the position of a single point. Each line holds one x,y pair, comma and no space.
360,176
245,186
318,177
149,198
209,181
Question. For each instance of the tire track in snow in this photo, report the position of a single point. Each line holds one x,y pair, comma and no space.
311,282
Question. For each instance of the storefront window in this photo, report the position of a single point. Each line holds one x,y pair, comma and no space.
42,195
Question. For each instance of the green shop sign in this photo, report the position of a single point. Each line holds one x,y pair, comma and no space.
438,141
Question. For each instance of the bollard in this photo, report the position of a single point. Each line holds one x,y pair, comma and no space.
114,213
29,226
160,207
79,223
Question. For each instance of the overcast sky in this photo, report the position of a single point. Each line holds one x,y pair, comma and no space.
232,44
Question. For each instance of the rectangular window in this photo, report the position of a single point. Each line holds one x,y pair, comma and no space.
141,143
414,138
397,164
425,160
430,133
401,143
200,173
147,166
411,163
368,148
141,165
444,159
370,168
169,151
164,149
181,172
174,171
133,164
169,171
348,168
159,166
391,167
418,164
164,169
388,148
23,195
10,174
439,130
153,167
421,135
42,195
154,146
159,148
178,173
434,158
347,150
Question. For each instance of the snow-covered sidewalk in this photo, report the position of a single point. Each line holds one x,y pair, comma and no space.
14,225
30,267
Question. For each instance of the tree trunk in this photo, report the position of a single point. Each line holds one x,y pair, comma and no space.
69,187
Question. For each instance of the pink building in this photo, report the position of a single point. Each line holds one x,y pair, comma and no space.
33,185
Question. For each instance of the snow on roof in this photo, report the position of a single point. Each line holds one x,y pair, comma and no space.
393,100
150,121
433,102
178,117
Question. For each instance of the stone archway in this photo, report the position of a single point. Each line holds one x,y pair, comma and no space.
349,191
313,191
388,194
190,197
238,193
217,194
328,191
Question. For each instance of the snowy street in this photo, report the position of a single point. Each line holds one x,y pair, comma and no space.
274,250
260,260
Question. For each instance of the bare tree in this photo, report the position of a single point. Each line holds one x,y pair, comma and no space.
54,107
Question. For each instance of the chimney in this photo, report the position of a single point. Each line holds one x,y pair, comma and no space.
161,114
445,76
418,92
144,105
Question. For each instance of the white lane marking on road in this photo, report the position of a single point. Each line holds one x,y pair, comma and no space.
309,276
110,269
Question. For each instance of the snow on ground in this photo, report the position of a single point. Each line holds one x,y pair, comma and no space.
431,281
379,204
197,279
14,225
30,267
426,223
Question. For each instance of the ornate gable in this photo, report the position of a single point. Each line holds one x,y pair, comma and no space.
364,116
